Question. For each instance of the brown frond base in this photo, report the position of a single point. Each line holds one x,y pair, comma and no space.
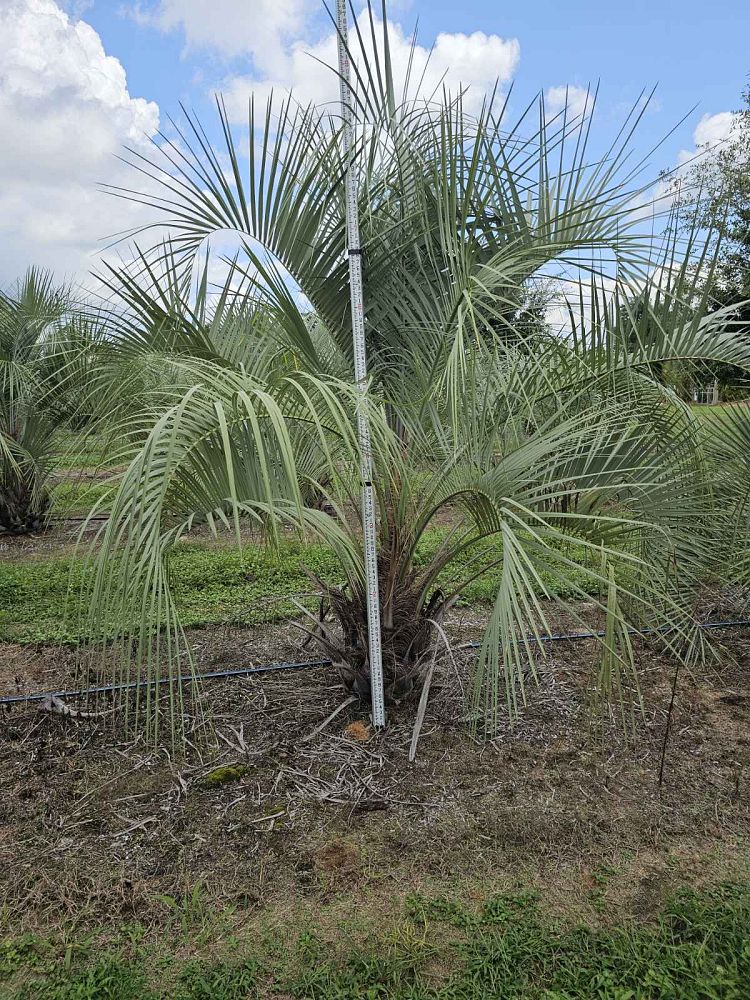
410,639
23,509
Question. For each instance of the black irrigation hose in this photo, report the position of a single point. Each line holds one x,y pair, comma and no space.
78,517
311,664
131,685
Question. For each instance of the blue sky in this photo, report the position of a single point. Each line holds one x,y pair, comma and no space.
79,78
697,53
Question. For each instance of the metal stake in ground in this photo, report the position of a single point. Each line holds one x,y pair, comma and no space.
360,376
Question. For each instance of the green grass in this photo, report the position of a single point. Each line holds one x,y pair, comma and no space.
82,450
510,949
716,411
74,496
212,584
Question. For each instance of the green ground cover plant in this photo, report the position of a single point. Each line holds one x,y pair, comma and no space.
77,496
698,948
85,449
215,584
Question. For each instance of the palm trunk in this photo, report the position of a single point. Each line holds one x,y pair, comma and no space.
409,635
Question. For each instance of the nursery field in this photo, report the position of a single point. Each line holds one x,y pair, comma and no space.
374,601
293,861
288,860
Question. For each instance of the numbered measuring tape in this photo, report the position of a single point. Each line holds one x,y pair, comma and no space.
360,377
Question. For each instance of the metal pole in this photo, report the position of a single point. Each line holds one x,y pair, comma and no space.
360,377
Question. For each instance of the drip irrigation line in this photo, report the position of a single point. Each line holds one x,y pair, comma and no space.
131,685
78,517
317,664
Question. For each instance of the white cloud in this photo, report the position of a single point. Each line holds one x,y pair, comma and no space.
65,112
476,61
279,37
579,101
712,129
260,28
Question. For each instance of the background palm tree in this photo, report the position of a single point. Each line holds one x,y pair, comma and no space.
43,357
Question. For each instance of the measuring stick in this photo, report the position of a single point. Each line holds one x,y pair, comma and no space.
360,377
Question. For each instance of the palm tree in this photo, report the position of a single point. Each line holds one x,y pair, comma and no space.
507,429
41,352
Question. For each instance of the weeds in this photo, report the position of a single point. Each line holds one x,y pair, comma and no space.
212,585
74,496
191,916
222,981
698,949
108,979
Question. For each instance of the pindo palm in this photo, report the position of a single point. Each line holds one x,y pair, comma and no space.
498,427
44,356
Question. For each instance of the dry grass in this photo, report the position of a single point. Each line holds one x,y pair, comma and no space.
95,828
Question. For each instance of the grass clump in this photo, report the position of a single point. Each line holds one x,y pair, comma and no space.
85,450
108,979
222,775
78,496
201,980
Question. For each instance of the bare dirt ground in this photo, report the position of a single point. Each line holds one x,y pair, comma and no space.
97,827
60,539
